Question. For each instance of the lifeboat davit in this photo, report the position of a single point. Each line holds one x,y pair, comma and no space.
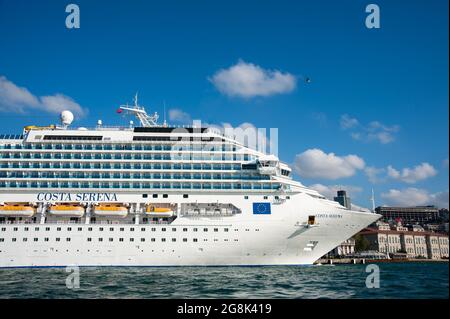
158,211
17,210
67,210
111,210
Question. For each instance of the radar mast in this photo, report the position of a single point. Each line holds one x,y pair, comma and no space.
139,112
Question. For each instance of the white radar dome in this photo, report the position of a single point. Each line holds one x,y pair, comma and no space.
66,117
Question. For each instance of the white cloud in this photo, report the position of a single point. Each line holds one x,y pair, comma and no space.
177,115
249,80
314,163
373,174
348,122
19,100
374,131
412,175
330,191
413,197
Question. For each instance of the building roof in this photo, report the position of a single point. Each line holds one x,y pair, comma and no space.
374,231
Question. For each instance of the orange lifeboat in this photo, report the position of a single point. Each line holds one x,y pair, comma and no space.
17,210
111,210
152,210
67,210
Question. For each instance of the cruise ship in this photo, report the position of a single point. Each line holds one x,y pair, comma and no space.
156,195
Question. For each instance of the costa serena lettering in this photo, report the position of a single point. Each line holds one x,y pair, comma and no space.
79,197
328,215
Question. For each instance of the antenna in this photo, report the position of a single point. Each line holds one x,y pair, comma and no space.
373,201
139,111
165,122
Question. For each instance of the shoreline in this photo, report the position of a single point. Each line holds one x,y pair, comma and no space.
346,261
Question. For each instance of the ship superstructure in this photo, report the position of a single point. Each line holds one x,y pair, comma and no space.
157,195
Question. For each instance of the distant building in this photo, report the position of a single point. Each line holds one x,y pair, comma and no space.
410,215
342,199
415,243
344,249
443,214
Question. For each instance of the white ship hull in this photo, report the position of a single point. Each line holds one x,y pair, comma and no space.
282,237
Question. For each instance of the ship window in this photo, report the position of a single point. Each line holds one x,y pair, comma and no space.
111,239
185,239
35,239
131,239
153,229
185,195
120,239
89,239
165,195
245,197
265,197
67,239
288,197
163,229
195,229
15,228
132,229
144,195
184,229
101,228
68,228
90,229
25,239
226,229
100,239
195,240
142,229
121,229
2,239
14,239
79,228
153,239
3,228
174,229
205,229
163,239
26,228
216,229
46,239
111,229
58,229
155,195
58,239
174,239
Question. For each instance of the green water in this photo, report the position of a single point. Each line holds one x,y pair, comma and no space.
397,280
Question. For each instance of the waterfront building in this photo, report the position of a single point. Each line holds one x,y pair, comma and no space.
344,249
409,215
415,243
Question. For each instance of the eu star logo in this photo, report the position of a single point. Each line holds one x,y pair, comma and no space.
261,208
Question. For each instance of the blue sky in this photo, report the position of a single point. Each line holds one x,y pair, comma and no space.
377,100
